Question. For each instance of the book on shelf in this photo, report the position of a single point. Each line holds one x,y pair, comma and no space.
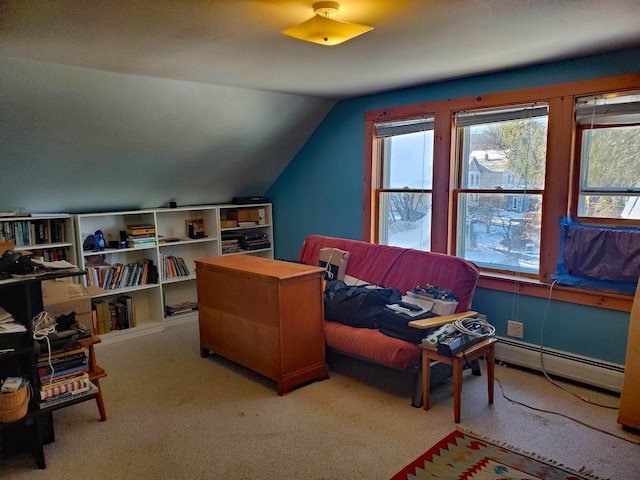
182,307
12,384
66,373
11,327
141,243
41,233
76,385
69,396
116,314
129,309
141,229
67,349
172,266
61,364
4,315
56,382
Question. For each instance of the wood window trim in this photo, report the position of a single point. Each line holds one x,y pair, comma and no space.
558,181
534,288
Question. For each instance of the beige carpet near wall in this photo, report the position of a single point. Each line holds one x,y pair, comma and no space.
173,415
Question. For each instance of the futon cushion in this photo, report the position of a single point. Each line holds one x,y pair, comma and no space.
372,345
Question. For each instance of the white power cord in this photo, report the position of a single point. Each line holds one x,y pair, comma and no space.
461,326
44,325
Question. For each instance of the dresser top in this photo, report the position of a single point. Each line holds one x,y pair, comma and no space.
259,266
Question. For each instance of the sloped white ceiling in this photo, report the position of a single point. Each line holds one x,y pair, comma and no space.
201,100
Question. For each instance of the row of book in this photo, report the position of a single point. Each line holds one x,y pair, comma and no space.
63,374
172,266
110,315
51,254
33,232
122,275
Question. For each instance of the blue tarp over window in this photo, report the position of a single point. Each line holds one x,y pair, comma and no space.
602,258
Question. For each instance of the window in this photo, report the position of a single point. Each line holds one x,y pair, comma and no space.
403,196
609,151
501,163
489,177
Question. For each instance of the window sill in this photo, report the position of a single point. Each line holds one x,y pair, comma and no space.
535,288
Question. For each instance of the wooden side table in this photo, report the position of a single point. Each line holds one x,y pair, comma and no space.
96,372
483,348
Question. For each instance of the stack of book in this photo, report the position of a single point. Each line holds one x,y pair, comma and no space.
179,308
230,245
141,236
64,374
8,323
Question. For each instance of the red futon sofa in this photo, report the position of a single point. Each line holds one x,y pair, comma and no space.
401,268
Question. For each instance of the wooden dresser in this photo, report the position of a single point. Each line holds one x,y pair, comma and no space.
264,314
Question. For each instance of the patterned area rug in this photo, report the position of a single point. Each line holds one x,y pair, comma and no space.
464,456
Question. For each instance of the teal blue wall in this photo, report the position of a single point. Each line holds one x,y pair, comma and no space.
321,192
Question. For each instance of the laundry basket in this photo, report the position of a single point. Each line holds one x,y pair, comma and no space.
14,405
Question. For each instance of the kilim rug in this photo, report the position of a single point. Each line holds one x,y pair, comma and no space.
463,456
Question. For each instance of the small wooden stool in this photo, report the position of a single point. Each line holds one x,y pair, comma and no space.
485,347
96,372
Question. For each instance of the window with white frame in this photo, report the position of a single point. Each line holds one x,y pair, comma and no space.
499,213
405,179
608,136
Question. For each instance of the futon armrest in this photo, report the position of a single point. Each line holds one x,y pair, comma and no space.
441,320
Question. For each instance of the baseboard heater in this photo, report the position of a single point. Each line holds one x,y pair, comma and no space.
597,373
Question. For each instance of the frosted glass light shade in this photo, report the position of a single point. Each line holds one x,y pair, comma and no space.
325,31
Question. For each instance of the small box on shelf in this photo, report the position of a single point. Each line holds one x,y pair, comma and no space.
228,223
244,215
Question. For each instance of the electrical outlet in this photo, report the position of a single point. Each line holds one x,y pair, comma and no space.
515,329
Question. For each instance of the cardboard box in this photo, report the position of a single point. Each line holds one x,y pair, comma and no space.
62,296
244,215
228,223
335,262
444,307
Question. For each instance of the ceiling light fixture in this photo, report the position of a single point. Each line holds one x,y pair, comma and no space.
324,30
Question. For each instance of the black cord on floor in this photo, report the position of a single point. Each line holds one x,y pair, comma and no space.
635,442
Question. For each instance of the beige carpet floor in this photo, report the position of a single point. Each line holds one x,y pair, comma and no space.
174,415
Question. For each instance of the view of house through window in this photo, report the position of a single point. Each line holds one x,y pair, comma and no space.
609,136
500,184
406,173
471,176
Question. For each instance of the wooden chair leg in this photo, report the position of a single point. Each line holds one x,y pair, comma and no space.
100,401
457,388
491,364
425,381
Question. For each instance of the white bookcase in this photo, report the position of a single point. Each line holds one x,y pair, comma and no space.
174,242
48,237
147,297
261,231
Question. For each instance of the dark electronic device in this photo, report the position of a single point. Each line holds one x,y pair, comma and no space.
249,200
455,342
